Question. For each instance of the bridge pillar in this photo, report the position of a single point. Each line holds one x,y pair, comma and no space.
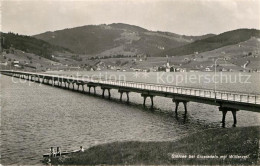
89,88
177,105
224,112
103,92
121,95
82,87
127,96
145,96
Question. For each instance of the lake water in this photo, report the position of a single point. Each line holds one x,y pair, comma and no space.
35,117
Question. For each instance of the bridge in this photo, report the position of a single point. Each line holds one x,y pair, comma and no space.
225,100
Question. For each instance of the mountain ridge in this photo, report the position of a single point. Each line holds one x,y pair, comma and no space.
214,42
116,38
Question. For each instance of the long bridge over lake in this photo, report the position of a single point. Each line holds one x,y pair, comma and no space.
225,100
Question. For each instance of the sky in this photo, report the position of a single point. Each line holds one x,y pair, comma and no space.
186,17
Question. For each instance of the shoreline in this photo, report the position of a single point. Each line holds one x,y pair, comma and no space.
213,146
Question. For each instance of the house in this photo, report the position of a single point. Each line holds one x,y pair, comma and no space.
137,70
207,69
4,63
16,65
183,70
16,62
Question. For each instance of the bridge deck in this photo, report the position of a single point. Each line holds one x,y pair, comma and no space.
236,100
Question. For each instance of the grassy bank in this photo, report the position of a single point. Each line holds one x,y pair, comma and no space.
242,141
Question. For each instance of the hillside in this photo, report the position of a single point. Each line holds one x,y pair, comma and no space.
238,145
214,42
115,39
29,45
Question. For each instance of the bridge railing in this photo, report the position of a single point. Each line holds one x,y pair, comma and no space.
208,93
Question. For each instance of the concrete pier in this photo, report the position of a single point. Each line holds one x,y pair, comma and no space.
121,95
224,111
103,92
177,105
91,86
145,96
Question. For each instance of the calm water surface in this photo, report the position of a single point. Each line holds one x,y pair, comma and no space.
35,117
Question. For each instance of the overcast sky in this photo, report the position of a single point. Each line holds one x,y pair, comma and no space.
189,17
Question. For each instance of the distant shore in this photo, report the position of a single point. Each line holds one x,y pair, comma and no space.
214,146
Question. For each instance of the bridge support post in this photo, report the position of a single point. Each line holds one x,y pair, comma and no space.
176,106
89,88
145,96
109,94
177,102
224,112
121,95
103,93
144,100
185,107
127,95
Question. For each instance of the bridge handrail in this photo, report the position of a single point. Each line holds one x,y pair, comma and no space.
256,95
